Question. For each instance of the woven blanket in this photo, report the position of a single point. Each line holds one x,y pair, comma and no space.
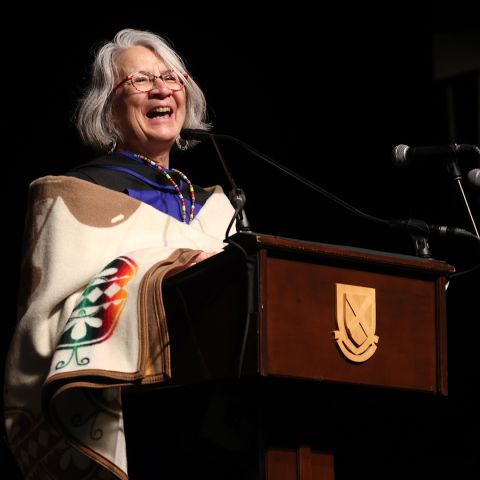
91,321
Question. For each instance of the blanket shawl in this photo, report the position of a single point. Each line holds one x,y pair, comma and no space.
91,321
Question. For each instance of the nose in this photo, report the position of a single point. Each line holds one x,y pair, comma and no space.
160,86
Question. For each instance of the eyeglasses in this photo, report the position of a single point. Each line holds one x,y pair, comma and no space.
146,81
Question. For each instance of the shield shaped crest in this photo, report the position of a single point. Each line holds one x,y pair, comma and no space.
356,321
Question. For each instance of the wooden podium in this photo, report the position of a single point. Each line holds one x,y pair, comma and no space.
303,328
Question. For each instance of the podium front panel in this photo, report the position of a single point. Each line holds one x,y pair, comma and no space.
298,319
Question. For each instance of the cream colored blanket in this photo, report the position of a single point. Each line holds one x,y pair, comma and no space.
91,321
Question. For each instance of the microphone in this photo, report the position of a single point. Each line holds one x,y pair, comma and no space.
474,177
195,134
421,231
404,155
421,227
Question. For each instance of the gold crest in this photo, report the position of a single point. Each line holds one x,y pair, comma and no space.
356,321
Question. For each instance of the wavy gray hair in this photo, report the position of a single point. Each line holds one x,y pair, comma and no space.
94,114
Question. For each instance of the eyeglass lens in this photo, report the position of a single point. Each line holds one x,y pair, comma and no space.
145,82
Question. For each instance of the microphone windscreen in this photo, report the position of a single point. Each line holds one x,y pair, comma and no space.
399,155
474,177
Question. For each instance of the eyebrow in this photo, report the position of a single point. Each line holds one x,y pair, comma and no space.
146,71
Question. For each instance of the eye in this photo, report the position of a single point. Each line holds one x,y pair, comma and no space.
140,78
170,77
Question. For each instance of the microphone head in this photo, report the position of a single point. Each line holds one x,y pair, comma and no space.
474,177
194,134
466,148
399,155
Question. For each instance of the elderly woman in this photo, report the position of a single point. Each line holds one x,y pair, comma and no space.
139,100
99,241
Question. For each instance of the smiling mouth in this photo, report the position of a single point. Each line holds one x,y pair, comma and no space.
160,112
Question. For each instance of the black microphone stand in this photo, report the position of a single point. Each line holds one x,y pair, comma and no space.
236,196
453,170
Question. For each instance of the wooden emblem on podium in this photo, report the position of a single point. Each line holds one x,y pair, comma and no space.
356,321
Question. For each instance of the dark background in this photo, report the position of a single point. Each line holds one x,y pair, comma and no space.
326,94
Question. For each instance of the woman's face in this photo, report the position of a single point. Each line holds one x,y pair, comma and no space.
146,128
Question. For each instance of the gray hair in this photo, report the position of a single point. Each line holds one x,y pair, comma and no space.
94,118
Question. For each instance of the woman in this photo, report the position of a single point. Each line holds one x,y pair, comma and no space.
116,101
139,100
99,241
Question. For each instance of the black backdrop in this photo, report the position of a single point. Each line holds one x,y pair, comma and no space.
327,95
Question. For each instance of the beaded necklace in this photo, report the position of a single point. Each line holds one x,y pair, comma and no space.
165,173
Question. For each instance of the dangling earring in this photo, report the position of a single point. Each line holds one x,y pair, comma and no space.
182,144
113,146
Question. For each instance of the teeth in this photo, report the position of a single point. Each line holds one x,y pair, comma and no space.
161,109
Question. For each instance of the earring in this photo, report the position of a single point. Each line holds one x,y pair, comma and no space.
113,146
182,144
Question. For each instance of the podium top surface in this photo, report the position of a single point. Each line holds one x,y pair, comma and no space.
255,241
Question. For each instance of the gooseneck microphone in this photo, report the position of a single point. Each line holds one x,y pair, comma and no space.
404,155
199,135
